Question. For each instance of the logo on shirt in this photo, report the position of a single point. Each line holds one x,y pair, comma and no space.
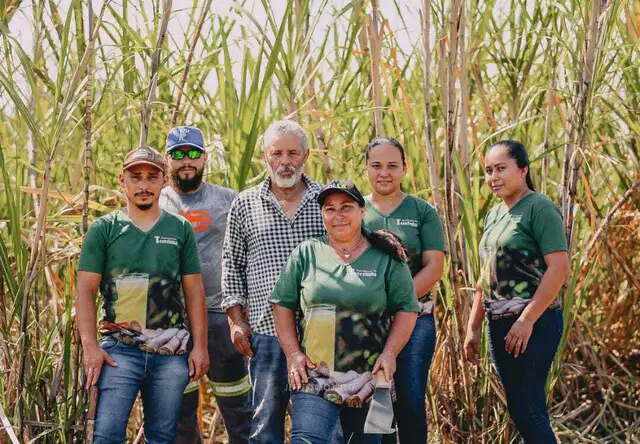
200,219
365,273
166,240
407,222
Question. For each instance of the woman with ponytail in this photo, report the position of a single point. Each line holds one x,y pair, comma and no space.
419,226
523,252
354,291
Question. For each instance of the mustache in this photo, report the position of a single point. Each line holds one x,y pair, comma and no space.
285,169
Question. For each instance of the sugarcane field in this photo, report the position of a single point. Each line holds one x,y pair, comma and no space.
320,221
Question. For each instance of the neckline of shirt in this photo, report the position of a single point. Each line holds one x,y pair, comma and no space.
402,202
126,217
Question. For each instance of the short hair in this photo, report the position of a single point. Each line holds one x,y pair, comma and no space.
284,128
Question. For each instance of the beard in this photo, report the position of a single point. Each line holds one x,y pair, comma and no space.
285,182
144,206
187,185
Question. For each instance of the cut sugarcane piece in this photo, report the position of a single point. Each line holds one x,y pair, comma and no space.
341,392
183,347
359,399
173,345
317,385
152,345
343,378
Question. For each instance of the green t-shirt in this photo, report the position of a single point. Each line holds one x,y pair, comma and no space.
346,308
415,221
514,244
141,271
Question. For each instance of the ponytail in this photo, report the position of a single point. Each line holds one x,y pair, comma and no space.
388,242
518,152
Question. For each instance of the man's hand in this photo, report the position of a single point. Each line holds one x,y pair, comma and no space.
94,358
240,330
472,346
198,362
297,364
240,334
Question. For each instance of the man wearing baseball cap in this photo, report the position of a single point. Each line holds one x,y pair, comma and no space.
206,206
145,263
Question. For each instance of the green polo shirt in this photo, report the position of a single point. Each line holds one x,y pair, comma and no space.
141,271
415,221
363,295
514,244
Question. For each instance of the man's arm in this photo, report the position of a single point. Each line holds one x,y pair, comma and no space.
234,281
94,356
197,313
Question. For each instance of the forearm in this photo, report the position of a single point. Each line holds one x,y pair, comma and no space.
285,320
197,313
433,266
549,287
477,311
401,329
86,318
425,280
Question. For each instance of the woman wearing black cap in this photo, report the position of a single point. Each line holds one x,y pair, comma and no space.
348,285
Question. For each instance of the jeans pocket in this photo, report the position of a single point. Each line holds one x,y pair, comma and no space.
108,343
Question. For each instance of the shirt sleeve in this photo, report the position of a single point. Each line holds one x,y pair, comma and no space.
93,256
189,259
234,260
401,292
548,230
431,231
286,292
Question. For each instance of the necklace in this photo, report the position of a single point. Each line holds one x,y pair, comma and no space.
346,252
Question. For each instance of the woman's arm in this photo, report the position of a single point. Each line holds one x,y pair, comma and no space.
401,329
431,272
472,339
297,362
558,269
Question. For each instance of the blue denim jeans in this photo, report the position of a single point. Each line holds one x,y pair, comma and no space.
161,381
314,420
411,382
228,378
270,391
524,377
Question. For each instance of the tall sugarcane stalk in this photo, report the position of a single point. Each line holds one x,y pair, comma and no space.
187,67
145,113
375,55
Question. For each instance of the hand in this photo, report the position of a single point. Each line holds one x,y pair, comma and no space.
94,358
240,334
198,362
386,363
297,364
518,337
472,346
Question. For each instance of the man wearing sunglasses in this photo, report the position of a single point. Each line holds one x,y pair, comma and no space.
206,206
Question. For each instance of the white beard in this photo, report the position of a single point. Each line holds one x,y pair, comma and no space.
286,182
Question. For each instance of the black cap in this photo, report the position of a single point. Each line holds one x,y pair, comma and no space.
341,186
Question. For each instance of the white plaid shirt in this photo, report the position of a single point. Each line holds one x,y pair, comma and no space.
257,244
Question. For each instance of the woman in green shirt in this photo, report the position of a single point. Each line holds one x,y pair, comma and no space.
525,262
418,225
358,307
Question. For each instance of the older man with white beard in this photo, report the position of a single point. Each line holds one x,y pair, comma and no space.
265,224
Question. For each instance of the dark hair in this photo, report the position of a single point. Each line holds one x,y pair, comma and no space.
384,140
518,152
388,242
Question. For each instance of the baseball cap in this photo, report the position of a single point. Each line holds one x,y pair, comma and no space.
144,155
341,186
185,136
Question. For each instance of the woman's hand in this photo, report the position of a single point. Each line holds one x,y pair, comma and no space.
472,346
386,363
297,364
518,337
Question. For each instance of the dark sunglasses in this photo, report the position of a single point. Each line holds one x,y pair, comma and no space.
193,154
